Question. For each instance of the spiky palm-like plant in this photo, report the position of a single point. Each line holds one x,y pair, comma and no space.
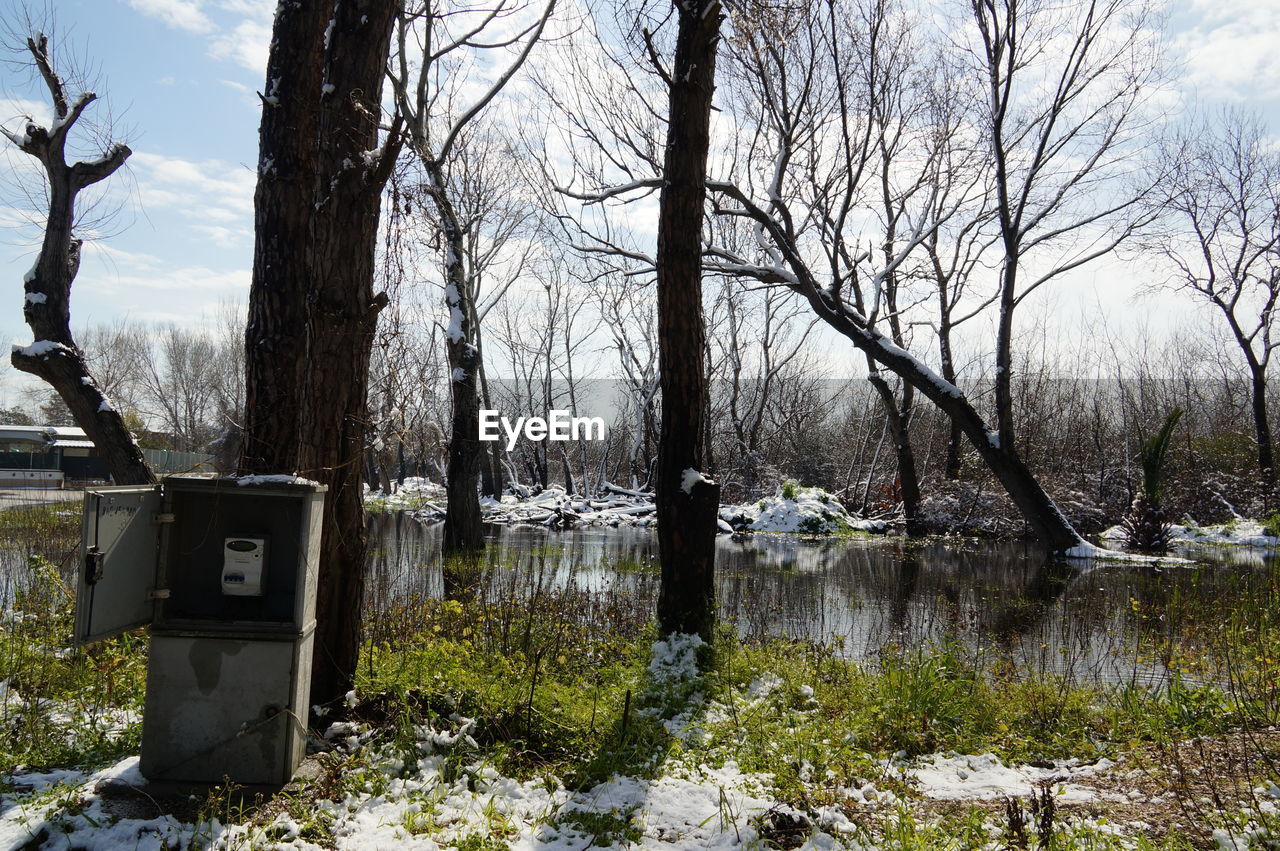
1146,526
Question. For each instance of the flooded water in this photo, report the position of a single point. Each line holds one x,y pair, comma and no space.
1091,623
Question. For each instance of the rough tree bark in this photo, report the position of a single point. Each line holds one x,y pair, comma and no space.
275,335
686,504
312,307
54,356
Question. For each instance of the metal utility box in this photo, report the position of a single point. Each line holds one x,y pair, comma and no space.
224,571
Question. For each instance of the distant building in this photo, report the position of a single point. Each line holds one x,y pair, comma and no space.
35,455
49,455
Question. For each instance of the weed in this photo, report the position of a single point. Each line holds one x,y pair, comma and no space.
601,828
63,705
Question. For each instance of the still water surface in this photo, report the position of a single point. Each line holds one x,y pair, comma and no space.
1094,622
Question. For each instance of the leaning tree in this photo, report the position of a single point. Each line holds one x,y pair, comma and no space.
54,356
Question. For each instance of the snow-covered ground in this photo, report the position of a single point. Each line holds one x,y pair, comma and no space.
966,777
413,493
1240,533
434,789
792,509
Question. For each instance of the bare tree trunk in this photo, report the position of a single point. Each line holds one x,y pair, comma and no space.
687,504
54,356
462,527
1262,425
1004,348
951,468
275,336
490,467
314,260
900,433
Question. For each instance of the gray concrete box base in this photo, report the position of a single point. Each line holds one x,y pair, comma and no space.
221,706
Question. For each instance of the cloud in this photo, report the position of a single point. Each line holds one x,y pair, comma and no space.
262,9
186,279
247,45
216,194
115,272
224,237
179,14
15,111
237,30
1229,48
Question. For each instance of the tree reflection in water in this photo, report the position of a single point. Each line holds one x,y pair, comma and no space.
862,594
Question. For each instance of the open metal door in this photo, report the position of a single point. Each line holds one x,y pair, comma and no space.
119,558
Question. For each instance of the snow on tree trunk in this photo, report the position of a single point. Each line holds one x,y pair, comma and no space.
462,528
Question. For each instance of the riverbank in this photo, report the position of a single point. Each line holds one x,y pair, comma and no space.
487,724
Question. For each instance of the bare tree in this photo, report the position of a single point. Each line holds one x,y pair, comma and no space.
1064,122
628,313
114,352
805,198
54,356
428,39
758,340
179,374
1223,206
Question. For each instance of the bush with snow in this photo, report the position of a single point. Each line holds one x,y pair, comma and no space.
799,510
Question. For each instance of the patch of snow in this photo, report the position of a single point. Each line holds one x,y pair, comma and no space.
1237,533
798,510
274,479
983,777
40,348
691,477
1086,551
764,685
675,658
272,97
36,298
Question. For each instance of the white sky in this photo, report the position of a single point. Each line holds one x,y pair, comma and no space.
181,76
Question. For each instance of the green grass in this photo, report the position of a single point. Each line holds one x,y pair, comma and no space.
550,708
78,704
